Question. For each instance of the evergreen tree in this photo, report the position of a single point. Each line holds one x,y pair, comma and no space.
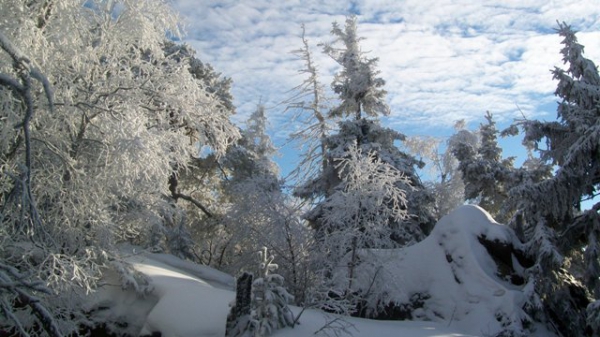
269,298
367,193
487,176
558,228
357,85
361,96
268,308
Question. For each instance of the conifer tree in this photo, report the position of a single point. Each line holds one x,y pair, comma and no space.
487,176
558,228
368,193
267,309
269,298
361,94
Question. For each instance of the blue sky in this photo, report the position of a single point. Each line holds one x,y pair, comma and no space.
442,60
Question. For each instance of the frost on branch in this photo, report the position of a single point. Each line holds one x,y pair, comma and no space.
78,163
17,290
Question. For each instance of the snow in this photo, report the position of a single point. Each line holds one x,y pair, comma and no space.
457,274
187,299
188,305
466,296
184,304
313,320
210,275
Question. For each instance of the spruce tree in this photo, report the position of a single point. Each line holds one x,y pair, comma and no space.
557,227
367,193
269,298
487,176
361,97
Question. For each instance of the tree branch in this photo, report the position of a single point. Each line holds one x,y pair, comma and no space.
196,203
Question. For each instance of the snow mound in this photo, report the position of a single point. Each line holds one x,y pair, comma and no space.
186,299
451,276
187,305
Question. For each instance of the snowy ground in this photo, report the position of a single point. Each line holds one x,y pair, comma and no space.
194,301
312,321
451,266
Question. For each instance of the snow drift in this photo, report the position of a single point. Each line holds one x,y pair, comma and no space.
186,299
466,273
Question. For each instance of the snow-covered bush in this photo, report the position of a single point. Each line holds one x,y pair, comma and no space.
264,310
270,299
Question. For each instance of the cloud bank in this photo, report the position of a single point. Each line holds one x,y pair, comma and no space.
442,60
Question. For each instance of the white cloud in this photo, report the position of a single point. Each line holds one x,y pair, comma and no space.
442,60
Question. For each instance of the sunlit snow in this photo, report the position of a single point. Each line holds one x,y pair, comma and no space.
451,266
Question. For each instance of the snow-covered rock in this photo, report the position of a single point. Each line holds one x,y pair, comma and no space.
450,276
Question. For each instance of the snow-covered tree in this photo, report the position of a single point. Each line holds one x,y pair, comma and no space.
361,95
266,308
359,89
310,106
198,184
15,285
487,176
367,193
558,228
251,188
357,215
254,210
93,163
269,298
446,185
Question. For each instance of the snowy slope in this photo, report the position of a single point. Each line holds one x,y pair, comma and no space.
187,305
